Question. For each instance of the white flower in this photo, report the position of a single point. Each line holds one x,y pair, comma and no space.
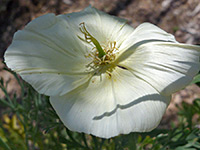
103,77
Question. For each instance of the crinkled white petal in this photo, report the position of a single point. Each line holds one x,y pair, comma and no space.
105,28
108,106
49,56
167,67
145,32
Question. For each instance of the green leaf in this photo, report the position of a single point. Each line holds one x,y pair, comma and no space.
4,145
196,79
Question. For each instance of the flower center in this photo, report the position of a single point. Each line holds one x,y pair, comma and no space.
102,55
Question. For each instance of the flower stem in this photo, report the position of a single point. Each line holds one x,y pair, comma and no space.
133,141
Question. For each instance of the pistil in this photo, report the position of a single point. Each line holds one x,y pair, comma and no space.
103,55
89,38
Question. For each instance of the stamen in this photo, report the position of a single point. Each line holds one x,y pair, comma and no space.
102,55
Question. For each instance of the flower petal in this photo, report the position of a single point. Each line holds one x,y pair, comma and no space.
108,106
168,67
105,28
147,31
49,56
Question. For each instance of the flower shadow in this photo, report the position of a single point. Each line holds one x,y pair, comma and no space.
152,97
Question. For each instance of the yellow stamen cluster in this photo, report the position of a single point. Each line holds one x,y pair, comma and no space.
108,58
101,55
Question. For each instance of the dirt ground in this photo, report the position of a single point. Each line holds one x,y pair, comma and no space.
179,17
